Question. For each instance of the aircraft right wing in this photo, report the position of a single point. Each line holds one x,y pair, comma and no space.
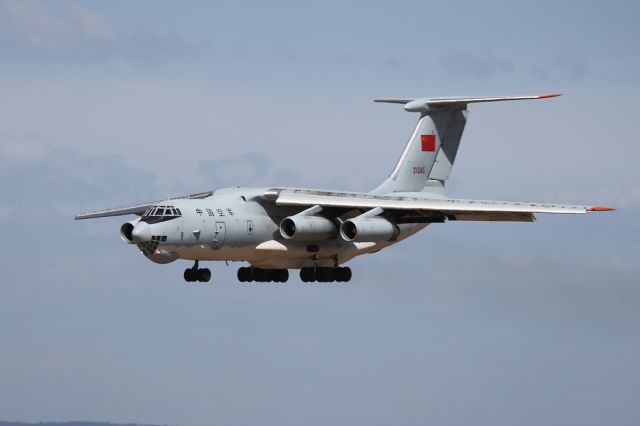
416,210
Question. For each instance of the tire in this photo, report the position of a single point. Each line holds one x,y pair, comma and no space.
188,275
326,275
305,274
204,275
330,274
283,275
241,274
323,274
260,275
346,274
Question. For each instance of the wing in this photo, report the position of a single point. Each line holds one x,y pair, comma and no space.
424,210
137,209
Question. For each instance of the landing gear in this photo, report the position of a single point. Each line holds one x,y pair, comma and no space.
262,275
325,275
195,274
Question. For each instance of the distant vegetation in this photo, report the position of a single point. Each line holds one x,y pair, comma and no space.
4,423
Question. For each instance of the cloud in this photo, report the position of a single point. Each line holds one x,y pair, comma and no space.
250,169
621,196
568,62
34,30
480,65
35,176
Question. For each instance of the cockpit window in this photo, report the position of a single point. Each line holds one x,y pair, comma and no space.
163,211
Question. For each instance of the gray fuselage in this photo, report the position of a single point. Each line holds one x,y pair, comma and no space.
232,225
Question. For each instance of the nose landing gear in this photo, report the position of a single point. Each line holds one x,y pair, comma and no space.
196,274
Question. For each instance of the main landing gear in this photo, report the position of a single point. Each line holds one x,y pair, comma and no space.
195,274
325,275
262,275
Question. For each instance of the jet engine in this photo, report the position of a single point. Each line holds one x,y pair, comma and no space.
368,229
307,228
126,231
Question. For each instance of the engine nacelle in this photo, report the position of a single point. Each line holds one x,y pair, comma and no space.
363,229
126,229
307,228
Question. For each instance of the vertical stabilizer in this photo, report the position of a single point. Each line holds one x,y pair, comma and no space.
428,158
429,154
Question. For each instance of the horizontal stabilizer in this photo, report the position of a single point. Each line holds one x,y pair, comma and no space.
428,104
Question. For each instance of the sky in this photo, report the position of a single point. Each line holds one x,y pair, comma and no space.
104,104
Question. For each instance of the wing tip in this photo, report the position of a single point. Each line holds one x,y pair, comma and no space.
550,95
600,209
393,101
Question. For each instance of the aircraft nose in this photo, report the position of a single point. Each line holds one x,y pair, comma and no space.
141,232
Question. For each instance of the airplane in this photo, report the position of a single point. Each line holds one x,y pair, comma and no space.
317,231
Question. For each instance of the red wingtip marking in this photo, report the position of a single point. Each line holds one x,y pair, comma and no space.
600,209
552,95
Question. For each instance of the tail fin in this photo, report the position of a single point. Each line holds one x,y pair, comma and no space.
428,157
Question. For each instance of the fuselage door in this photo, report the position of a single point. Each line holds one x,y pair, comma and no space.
219,234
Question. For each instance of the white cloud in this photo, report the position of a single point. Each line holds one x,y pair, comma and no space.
480,65
34,174
20,149
622,196
34,30
566,63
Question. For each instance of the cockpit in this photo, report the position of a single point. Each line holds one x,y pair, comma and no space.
155,214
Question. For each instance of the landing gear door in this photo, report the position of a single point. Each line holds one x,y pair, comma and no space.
219,234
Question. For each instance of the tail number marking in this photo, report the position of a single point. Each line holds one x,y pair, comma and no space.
418,170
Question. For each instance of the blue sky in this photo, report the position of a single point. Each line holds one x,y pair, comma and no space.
108,103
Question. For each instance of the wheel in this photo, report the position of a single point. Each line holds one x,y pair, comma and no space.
260,275
188,275
244,275
271,275
346,274
320,274
326,275
283,275
306,274
330,274
204,275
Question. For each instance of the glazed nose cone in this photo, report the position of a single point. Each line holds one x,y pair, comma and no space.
141,232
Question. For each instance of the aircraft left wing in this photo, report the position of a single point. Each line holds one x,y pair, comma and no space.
423,209
137,209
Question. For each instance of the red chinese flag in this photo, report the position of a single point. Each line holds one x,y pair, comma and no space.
429,143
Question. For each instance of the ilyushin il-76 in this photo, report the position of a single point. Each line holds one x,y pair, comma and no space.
317,232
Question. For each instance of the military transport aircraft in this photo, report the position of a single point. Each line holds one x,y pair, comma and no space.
277,229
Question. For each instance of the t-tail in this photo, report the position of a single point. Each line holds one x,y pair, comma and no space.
427,159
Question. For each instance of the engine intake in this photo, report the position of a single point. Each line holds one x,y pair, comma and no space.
126,231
